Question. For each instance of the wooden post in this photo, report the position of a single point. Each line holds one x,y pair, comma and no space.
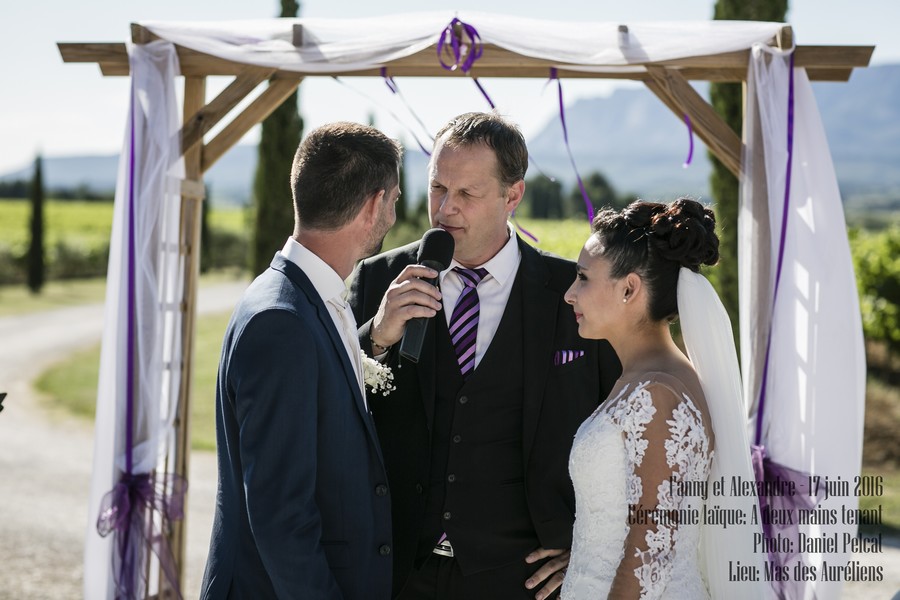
191,211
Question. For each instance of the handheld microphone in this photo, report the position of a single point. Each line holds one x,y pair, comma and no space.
435,252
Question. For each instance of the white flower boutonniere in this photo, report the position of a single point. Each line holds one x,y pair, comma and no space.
378,377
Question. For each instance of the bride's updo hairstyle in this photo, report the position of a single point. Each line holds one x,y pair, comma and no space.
655,240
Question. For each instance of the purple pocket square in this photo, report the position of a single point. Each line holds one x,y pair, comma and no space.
561,357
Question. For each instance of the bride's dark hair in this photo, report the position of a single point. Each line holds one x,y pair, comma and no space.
655,240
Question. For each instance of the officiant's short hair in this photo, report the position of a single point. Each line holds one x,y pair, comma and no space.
336,168
498,133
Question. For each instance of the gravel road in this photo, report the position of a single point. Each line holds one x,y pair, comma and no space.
46,458
45,467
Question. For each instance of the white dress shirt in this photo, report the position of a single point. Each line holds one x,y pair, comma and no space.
493,291
333,291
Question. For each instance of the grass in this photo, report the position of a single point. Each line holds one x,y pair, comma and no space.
207,348
232,219
77,223
71,385
889,500
563,238
17,300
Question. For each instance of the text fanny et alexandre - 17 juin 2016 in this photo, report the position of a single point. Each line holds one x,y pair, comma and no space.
796,542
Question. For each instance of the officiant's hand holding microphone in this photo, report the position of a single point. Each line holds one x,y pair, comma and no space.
412,298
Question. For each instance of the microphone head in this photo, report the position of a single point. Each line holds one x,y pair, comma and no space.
437,247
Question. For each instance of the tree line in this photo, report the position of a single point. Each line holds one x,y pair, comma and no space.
19,189
545,198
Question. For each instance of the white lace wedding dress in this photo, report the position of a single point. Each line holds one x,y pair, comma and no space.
644,450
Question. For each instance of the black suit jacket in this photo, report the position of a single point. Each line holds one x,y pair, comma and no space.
302,509
557,397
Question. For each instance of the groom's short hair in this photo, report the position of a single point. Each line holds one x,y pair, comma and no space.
336,167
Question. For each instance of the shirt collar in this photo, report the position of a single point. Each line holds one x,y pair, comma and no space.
503,265
325,279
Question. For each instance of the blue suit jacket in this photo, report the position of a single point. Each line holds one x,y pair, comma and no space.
303,508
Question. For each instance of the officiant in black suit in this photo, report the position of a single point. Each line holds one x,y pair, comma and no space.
476,437
303,506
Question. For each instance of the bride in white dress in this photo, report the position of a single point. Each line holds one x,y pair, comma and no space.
643,464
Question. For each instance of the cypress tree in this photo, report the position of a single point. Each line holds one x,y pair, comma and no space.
36,274
727,99
272,200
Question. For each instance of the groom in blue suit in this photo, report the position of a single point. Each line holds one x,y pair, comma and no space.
303,509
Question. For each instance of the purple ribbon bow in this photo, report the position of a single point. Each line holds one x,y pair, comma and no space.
126,511
463,54
772,476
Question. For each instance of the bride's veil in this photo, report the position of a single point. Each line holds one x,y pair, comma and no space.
710,344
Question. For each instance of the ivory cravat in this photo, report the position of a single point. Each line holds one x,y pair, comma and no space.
351,341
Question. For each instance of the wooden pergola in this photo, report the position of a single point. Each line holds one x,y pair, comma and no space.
668,80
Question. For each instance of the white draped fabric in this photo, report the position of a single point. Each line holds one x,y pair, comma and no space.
147,211
353,44
815,386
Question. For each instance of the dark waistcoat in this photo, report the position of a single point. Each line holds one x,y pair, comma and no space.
476,491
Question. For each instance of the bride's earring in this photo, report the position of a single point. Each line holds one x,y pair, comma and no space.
625,299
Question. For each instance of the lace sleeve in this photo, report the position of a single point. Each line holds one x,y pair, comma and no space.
664,443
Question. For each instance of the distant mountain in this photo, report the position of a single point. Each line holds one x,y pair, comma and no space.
640,145
631,137
229,181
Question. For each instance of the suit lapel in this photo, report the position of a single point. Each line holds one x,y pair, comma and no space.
299,278
539,329
427,369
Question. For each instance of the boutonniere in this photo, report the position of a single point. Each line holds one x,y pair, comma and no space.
378,377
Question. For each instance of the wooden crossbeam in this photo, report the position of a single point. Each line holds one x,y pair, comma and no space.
675,91
259,109
828,63
208,116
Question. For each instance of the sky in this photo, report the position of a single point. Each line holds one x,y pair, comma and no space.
58,109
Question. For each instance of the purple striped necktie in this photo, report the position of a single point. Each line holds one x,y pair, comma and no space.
464,320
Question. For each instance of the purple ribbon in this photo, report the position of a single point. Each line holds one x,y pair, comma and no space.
690,156
554,74
484,93
395,89
127,511
392,85
773,476
123,510
765,469
451,43
522,229
463,54
784,220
